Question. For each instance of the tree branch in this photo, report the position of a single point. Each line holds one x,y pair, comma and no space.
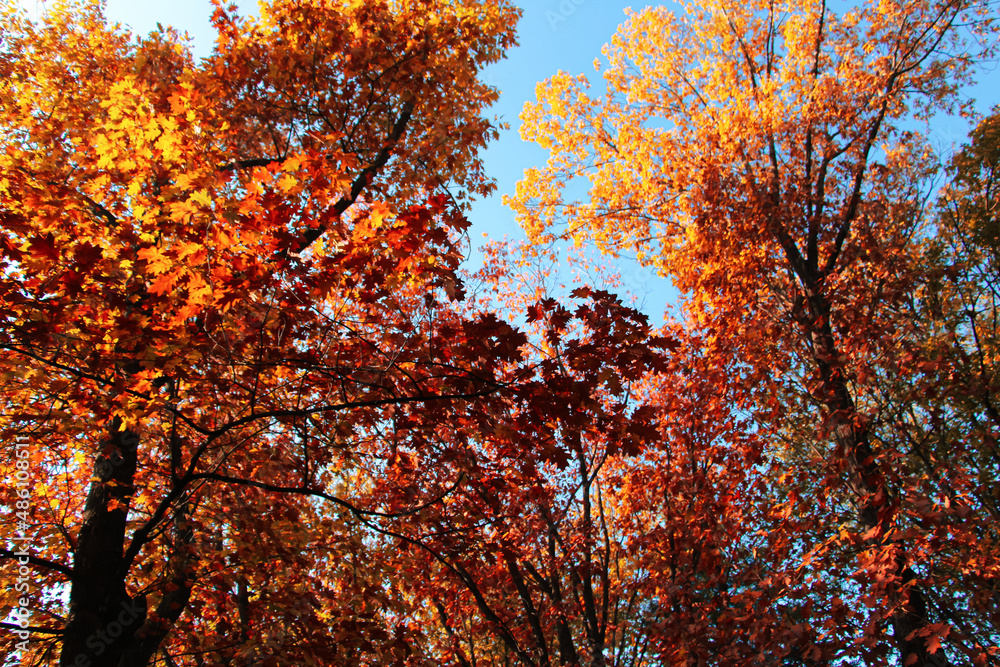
30,628
364,178
40,562
306,491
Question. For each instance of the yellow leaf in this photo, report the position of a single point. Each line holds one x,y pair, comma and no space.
201,197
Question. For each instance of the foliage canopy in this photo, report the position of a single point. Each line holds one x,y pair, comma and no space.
251,412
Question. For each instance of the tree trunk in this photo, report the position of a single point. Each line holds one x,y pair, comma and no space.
102,617
877,512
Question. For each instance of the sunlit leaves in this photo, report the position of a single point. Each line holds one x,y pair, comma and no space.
754,153
222,273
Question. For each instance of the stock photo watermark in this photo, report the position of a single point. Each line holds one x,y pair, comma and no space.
131,610
21,483
563,12
24,543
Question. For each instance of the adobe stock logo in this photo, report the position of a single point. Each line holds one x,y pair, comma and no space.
566,9
131,611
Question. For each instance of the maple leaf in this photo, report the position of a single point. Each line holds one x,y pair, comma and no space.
156,261
44,247
164,284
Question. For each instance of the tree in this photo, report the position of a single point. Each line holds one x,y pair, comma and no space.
955,309
616,457
220,279
554,553
513,566
755,153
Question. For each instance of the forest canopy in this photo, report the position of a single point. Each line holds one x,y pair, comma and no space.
256,409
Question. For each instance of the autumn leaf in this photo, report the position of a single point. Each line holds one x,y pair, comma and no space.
156,261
